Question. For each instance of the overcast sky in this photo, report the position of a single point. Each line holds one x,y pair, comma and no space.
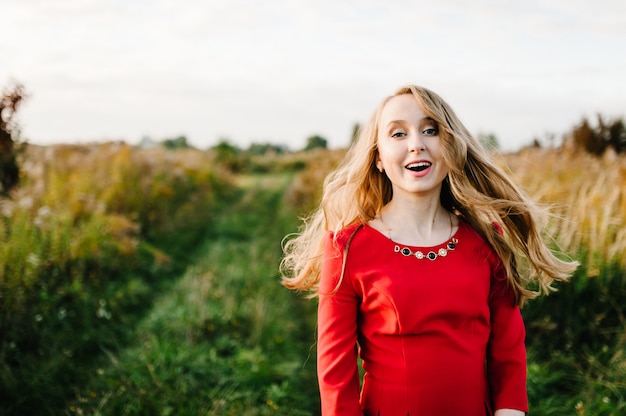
281,71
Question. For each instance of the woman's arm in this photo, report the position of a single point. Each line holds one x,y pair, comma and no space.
509,412
337,336
506,352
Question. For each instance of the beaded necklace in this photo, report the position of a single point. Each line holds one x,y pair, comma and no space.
431,255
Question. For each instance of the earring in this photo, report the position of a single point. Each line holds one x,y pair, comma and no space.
380,167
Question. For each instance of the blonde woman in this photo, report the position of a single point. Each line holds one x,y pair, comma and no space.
412,255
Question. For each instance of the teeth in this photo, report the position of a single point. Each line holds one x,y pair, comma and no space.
418,165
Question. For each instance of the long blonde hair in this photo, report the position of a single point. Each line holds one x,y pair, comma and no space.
475,189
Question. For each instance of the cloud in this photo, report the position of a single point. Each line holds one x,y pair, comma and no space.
283,70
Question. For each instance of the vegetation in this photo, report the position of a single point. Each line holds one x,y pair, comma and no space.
576,337
87,240
258,149
225,339
489,141
316,142
596,140
10,101
179,142
144,281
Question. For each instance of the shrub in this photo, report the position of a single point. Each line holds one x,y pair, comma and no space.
10,101
596,140
87,238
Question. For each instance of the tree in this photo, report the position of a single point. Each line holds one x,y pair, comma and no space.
266,148
597,140
617,132
356,130
315,142
584,137
179,142
9,169
489,141
228,155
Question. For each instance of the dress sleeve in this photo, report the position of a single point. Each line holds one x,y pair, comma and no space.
506,354
337,337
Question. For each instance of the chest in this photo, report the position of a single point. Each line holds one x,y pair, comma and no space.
406,295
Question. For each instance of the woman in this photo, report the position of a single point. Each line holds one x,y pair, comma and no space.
412,254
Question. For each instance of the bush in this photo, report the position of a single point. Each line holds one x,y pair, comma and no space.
86,240
10,101
596,140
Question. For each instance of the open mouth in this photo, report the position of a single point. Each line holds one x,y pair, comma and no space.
419,166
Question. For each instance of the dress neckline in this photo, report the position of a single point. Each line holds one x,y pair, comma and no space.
455,235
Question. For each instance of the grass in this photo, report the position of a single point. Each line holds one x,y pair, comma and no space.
91,235
227,339
146,283
587,196
576,337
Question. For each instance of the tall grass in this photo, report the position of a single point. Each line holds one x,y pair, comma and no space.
145,282
587,195
577,336
85,240
226,339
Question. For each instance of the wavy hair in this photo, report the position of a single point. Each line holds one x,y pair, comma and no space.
475,189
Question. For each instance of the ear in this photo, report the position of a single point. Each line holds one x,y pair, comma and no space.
379,163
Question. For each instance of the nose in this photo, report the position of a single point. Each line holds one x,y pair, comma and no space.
416,143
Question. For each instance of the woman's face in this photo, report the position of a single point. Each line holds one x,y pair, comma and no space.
409,149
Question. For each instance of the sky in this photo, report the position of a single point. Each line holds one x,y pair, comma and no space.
282,71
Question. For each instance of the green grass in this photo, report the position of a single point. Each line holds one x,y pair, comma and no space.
227,338
576,342
87,241
193,320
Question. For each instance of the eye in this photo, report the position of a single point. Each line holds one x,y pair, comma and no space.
430,131
398,134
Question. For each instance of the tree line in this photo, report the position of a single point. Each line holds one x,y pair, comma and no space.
593,139
606,134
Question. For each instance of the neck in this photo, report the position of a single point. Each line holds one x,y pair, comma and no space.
421,223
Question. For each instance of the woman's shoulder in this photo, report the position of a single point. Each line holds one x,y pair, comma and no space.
474,237
477,234
344,236
476,241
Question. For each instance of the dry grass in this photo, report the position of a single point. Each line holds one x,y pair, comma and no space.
306,190
586,194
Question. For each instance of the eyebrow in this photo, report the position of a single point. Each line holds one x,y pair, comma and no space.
405,122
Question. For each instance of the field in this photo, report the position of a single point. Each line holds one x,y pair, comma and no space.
145,282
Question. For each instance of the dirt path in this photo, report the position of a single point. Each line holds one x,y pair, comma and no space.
227,338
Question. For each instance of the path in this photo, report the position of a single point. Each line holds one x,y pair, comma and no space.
227,338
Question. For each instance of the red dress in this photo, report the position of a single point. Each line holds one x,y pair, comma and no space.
436,337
